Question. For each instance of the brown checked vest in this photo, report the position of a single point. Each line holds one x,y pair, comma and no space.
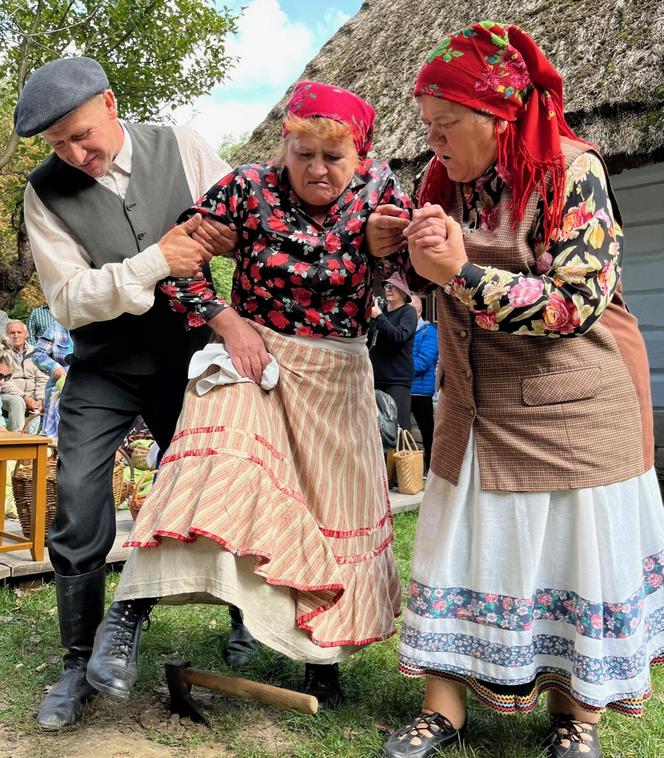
548,414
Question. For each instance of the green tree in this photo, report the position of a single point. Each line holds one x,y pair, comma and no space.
230,144
158,55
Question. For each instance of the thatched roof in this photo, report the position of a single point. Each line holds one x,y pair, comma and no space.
611,56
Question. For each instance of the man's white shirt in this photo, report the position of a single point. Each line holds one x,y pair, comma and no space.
78,294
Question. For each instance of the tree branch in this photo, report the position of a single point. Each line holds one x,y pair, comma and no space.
21,74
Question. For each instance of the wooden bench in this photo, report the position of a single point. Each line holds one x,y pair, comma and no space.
15,446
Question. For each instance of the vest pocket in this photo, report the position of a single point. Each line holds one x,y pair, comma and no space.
561,386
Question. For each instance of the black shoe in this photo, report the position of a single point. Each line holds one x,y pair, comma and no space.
241,646
322,681
423,737
80,609
113,667
569,737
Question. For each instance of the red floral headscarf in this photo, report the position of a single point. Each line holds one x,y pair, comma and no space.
501,71
316,100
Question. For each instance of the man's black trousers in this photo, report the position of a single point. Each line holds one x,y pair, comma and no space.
97,410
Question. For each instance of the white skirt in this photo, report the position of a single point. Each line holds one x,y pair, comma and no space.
516,593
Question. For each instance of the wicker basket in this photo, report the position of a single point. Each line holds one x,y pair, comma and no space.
409,462
137,497
22,487
22,490
139,453
122,489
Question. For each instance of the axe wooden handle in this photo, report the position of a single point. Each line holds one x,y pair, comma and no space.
264,693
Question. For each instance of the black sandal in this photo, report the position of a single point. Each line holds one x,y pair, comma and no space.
569,737
423,737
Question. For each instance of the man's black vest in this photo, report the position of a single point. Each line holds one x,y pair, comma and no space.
112,229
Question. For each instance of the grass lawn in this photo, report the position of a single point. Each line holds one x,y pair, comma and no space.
377,697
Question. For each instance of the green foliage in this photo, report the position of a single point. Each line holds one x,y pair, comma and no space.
157,54
222,276
230,144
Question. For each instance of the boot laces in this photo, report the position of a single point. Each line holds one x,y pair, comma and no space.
424,721
125,632
567,728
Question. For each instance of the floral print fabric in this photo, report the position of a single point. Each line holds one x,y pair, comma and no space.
575,277
293,274
615,620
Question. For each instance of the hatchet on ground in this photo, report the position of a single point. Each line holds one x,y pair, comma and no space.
180,676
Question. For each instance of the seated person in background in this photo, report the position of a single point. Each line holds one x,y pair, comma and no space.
50,355
5,370
28,384
39,320
425,358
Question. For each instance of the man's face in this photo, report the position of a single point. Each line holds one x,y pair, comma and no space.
90,137
17,334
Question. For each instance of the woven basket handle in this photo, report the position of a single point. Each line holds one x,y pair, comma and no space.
142,479
127,462
405,441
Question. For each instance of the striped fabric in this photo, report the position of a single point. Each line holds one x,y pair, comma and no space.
294,477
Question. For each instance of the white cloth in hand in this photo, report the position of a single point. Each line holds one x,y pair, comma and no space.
215,354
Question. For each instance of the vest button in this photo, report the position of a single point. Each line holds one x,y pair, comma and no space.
469,374
131,206
140,235
463,334
472,412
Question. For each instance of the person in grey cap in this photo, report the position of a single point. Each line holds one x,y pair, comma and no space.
100,213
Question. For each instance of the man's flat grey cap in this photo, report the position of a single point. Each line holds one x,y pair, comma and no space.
55,90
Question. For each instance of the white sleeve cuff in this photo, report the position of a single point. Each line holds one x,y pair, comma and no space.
149,266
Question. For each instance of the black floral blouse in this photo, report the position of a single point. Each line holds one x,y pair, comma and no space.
575,278
293,274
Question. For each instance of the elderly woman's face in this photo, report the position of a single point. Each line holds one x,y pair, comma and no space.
463,140
394,295
319,170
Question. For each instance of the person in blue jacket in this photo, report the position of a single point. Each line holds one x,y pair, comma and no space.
425,358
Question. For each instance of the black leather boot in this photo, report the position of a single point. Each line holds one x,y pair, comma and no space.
241,646
113,666
322,681
80,609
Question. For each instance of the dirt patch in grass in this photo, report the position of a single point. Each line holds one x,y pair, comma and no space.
112,729
144,728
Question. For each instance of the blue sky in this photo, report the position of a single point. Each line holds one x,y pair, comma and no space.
275,40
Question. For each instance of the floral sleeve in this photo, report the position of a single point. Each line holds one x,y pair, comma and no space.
575,279
393,194
195,297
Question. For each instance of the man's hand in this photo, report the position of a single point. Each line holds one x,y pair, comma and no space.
435,244
385,230
244,343
185,256
216,238
58,373
30,403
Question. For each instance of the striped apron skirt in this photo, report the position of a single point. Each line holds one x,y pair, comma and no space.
277,502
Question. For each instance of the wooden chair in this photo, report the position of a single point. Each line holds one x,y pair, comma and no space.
19,446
